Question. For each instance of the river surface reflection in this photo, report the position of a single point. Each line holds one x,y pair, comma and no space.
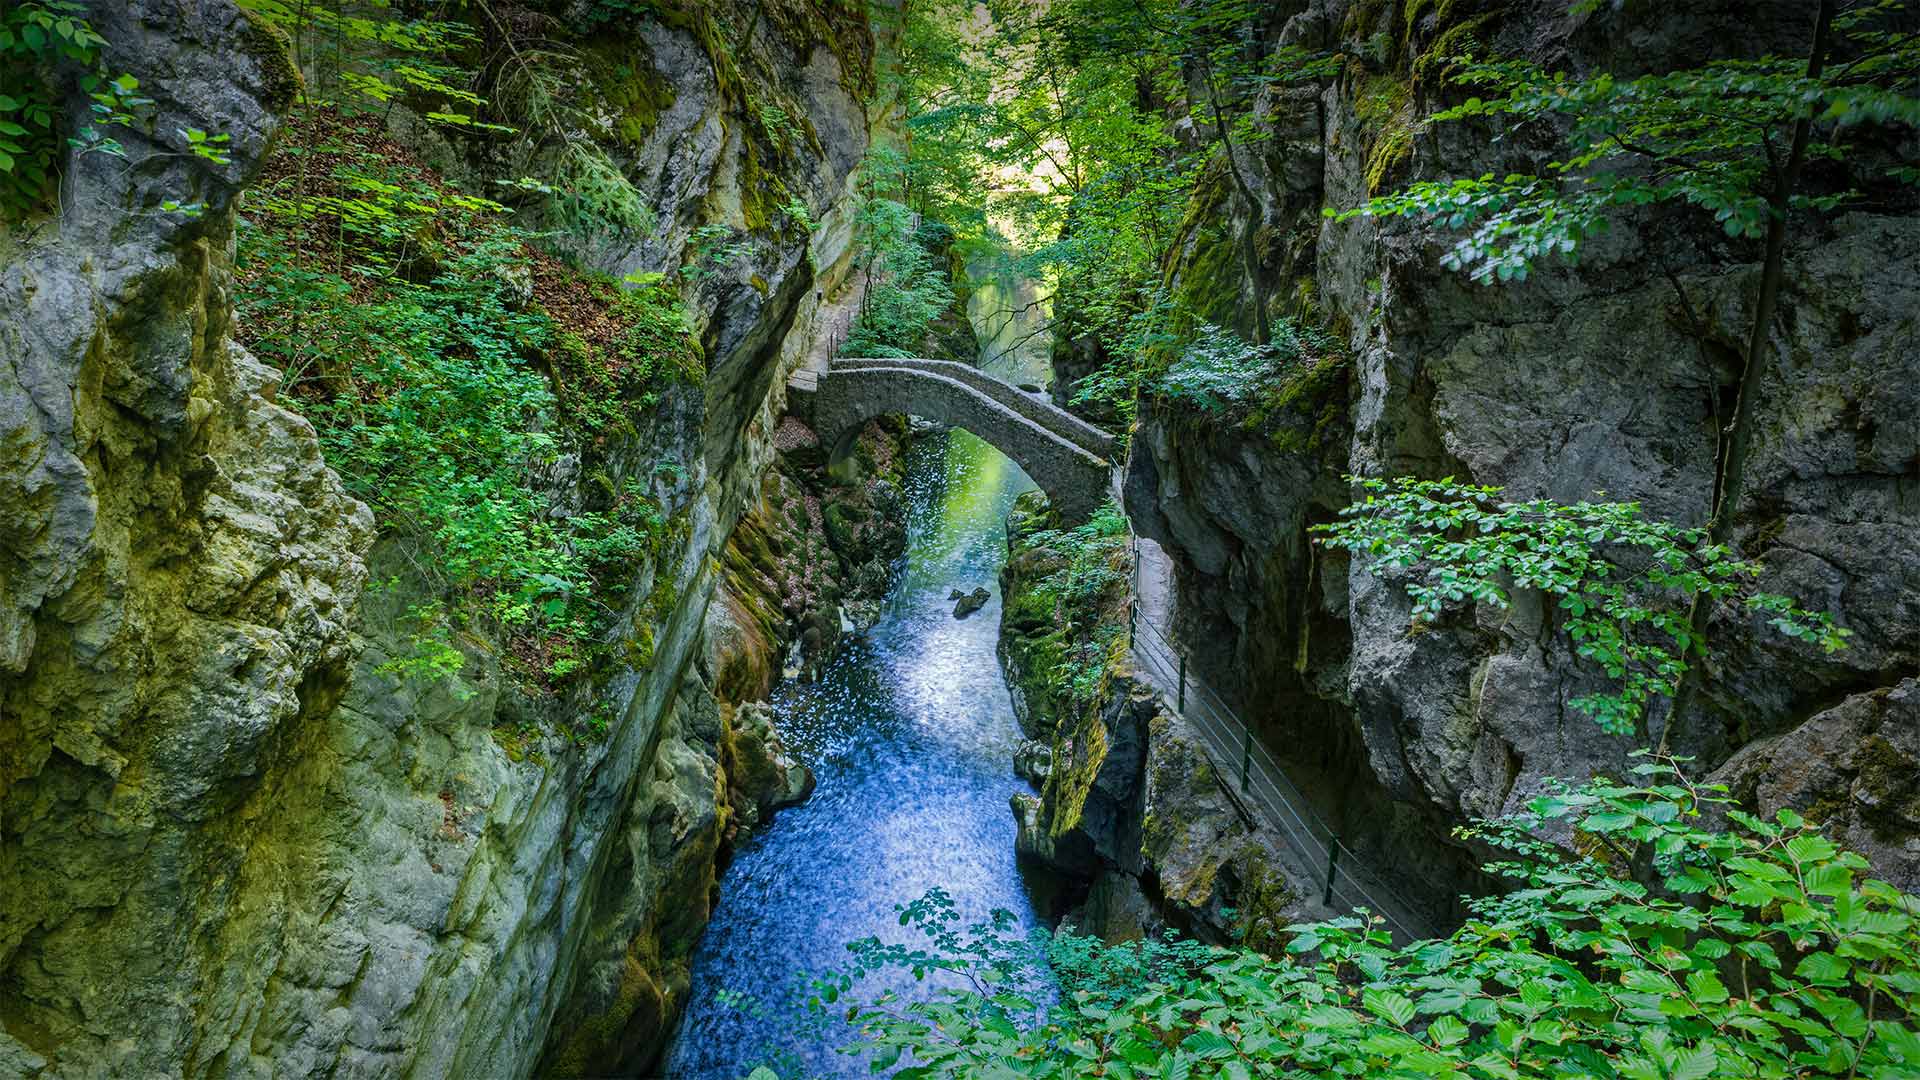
911,735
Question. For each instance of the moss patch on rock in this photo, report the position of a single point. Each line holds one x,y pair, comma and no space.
1063,614
633,93
1385,105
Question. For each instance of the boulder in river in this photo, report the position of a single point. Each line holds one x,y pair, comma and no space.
968,603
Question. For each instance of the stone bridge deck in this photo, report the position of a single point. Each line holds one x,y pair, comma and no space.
1066,456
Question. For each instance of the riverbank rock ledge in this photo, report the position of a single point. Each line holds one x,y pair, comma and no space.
1130,805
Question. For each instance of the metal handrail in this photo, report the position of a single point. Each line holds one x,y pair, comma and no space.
1347,875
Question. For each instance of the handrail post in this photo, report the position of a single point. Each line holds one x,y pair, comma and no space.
1246,757
1133,621
1333,859
1182,707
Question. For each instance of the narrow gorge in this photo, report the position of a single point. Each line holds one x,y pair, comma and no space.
933,538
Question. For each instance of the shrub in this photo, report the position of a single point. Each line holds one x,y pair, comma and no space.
907,285
1623,583
401,312
1079,602
1221,372
1760,950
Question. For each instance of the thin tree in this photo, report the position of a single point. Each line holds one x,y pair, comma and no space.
1731,137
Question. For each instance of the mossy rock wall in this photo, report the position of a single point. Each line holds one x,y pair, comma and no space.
237,840
1586,378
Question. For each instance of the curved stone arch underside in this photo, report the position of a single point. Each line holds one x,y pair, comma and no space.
1074,478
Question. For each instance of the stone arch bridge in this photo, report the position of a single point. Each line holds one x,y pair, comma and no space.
1066,456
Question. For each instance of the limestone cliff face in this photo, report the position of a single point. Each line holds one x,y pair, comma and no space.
1581,380
1130,806
812,560
232,842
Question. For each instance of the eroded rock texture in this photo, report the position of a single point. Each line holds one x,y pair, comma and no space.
813,559
233,840
1130,807
1582,380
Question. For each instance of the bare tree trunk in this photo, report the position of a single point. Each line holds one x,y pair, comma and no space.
1249,249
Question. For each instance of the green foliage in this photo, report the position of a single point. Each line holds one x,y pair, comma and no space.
907,285
1068,613
941,90
370,54
1081,106
596,13
436,417
432,654
542,95
1711,137
715,247
1761,950
799,215
777,126
647,347
1219,371
1076,98
36,38
539,100
395,306
1623,583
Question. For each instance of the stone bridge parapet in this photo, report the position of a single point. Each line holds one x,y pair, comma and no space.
1064,455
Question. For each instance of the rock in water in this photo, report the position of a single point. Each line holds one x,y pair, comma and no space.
764,777
1031,839
970,603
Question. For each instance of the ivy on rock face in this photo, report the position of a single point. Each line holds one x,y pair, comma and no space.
1760,951
1623,582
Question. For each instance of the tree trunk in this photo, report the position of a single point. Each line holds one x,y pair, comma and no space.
1731,465
1249,249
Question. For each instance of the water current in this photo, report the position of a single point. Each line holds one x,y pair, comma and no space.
911,734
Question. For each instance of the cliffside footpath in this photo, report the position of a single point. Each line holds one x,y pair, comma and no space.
1606,376
1131,810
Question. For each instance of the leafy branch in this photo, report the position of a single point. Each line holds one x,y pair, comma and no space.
1624,583
1762,950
